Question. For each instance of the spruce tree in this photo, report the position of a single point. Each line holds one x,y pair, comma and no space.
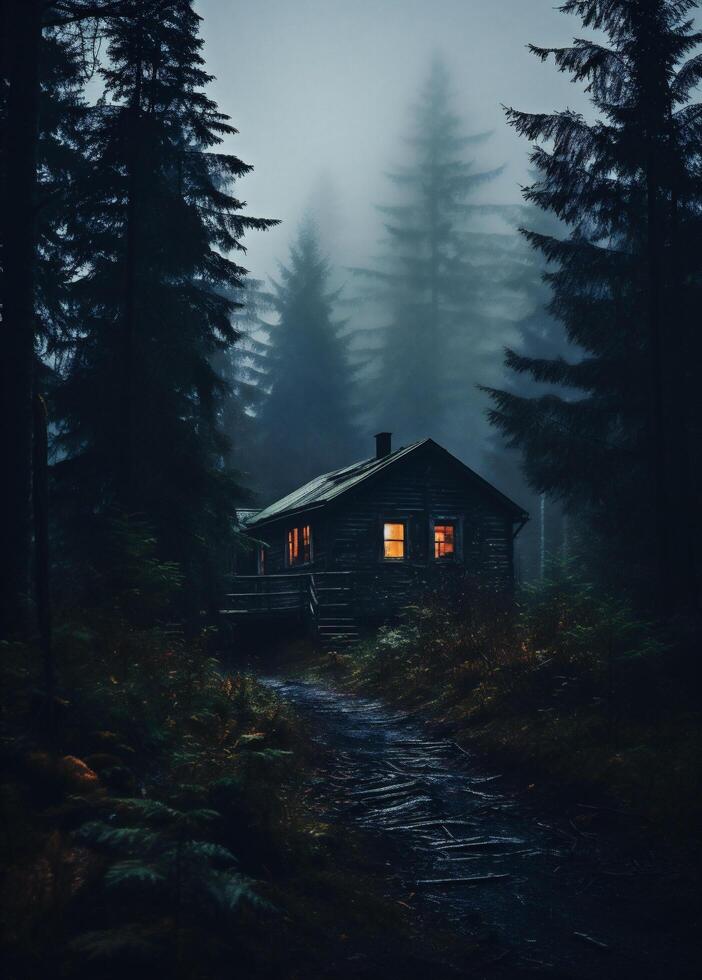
539,335
243,368
140,400
626,287
439,331
28,48
305,421
41,164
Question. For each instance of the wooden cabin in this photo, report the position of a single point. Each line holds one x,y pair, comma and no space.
356,544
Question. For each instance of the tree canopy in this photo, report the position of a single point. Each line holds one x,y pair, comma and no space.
625,286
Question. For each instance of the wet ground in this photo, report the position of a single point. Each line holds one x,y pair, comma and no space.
562,901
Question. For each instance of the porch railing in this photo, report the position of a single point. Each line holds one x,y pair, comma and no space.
312,594
267,594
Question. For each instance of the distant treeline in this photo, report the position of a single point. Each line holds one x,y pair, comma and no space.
175,386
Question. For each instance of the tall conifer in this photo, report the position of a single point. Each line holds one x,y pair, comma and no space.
626,286
305,421
439,329
141,397
539,334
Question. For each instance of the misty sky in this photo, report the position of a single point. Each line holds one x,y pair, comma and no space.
320,91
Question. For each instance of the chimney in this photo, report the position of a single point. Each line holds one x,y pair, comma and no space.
383,444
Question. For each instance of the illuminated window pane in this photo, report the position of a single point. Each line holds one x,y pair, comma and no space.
293,545
299,545
394,549
393,540
444,540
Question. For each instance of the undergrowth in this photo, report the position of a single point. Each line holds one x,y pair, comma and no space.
159,816
568,682
157,811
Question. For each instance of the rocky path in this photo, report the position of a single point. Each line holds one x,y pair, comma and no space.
560,902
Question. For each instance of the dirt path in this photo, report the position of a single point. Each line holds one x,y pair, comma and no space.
475,854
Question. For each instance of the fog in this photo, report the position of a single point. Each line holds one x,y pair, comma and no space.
320,91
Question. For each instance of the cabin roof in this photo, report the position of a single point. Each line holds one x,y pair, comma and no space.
329,486
245,515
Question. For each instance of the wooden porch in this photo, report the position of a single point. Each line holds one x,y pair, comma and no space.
335,605
325,601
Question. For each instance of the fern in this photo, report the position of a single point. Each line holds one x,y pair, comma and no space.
214,852
169,854
228,891
118,838
109,944
133,870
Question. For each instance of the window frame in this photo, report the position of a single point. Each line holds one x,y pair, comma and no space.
404,521
439,521
306,541
305,550
292,546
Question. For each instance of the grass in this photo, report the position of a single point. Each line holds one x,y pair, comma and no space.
571,687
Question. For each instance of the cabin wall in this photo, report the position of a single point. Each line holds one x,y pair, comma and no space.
418,491
275,537
347,535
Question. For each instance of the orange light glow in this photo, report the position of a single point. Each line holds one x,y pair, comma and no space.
393,540
444,540
299,548
293,545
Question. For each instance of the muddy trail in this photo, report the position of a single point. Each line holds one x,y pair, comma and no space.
560,901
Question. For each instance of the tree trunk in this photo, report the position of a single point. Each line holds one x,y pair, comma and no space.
128,389
22,40
40,495
128,410
657,426
542,537
682,384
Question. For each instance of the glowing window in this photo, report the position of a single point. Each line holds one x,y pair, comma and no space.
299,550
393,540
293,546
261,560
444,540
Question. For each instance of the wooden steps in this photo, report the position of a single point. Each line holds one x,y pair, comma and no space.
326,600
331,610
335,632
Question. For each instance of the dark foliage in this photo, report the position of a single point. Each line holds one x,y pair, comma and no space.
305,421
243,368
164,813
570,684
540,335
139,401
41,163
625,285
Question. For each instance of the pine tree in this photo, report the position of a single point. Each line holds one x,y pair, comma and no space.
305,421
27,47
539,335
42,67
433,289
626,286
243,368
140,400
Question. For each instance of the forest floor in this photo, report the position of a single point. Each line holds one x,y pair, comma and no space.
326,832
525,883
